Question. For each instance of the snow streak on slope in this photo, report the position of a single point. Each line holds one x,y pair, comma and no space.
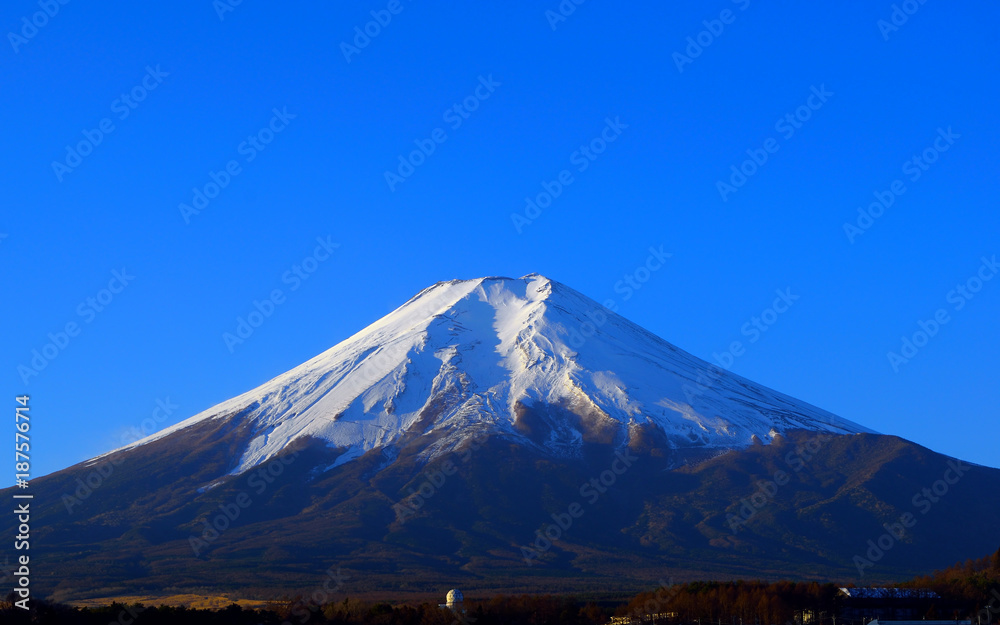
465,357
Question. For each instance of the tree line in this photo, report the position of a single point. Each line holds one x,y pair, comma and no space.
968,590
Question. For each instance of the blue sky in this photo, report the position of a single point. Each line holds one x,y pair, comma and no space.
116,116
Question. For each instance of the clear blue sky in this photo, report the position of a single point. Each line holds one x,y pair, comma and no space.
540,89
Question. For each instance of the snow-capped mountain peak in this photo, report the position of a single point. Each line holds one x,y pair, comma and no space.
491,355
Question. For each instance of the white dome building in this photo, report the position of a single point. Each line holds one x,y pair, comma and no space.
453,601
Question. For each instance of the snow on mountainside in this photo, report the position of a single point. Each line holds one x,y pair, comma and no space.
470,356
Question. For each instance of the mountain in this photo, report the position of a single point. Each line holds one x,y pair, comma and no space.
496,356
509,435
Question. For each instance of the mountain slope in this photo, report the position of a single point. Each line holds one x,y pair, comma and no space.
479,354
499,434
472,518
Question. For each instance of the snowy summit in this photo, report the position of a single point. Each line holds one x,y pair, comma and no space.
469,357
